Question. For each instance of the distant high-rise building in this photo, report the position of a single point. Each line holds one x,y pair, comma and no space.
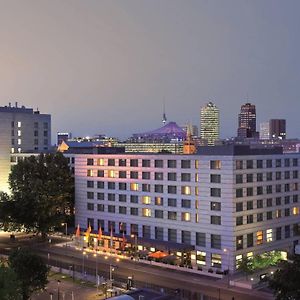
192,128
63,136
210,123
264,131
247,121
21,130
277,128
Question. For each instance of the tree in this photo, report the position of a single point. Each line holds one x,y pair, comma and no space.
41,194
30,270
245,266
10,287
285,282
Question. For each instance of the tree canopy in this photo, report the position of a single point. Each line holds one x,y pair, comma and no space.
285,282
10,287
30,271
41,194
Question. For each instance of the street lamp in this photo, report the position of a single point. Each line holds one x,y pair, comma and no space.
135,244
83,254
226,251
97,279
58,282
65,224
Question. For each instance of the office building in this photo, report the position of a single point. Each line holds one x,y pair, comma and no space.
193,129
63,136
264,131
21,130
213,207
210,123
247,122
277,129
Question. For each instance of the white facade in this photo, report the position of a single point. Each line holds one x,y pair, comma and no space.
264,131
220,200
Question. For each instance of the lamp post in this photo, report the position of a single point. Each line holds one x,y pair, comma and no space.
226,251
65,224
135,244
97,279
83,254
58,282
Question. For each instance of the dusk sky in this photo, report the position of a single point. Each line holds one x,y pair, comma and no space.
107,66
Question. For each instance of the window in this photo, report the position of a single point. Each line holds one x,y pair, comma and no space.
122,186
20,124
278,213
90,162
286,199
249,219
134,199
295,211
278,188
259,177
260,217
239,206
100,196
145,175
216,260
185,216
278,233
259,190
269,176
269,202
269,163
269,189
100,184
215,241
287,187
215,206
100,173
278,201
287,212
215,192
134,163
158,163
278,163
295,174
249,177
146,212
172,235
159,233
172,189
159,201
185,177
287,175
185,164
215,164
100,207
239,221
186,190
90,184
90,195
159,214
239,178
216,220
122,210
90,206
172,202
295,198
146,187
134,175
112,185
146,200
239,164
250,240
249,164
287,231
286,162
122,198
146,231
260,203
278,175
111,209
186,237
172,164
159,176
146,163
134,186
239,242
111,197
259,164
249,191
122,162
111,174
172,215
89,173
172,176
269,235
215,178
259,237
295,162
122,174
111,162
134,211
186,203
158,188
200,239
239,193
269,215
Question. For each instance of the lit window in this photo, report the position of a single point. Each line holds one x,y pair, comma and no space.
146,212
19,132
238,260
196,177
19,150
295,210
19,141
12,150
185,190
90,173
185,216
196,191
201,258
19,124
111,174
146,200
100,161
134,186
269,235
159,201
259,237
196,164
216,260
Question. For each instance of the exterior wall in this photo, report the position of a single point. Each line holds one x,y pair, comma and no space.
201,210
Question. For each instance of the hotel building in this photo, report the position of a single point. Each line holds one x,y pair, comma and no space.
216,206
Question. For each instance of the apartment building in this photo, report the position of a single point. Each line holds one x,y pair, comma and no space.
223,203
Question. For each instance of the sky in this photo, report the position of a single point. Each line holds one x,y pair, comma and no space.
107,67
